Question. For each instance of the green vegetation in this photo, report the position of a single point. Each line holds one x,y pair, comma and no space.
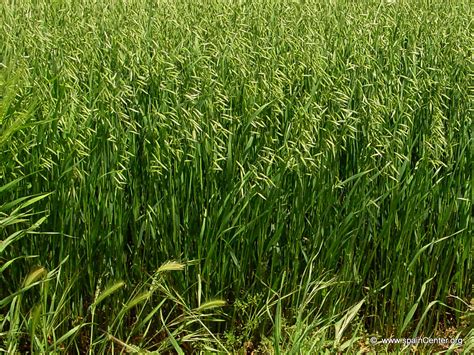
235,176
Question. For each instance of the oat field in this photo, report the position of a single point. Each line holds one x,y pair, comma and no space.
249,176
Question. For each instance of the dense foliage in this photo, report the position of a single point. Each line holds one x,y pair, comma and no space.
308,163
